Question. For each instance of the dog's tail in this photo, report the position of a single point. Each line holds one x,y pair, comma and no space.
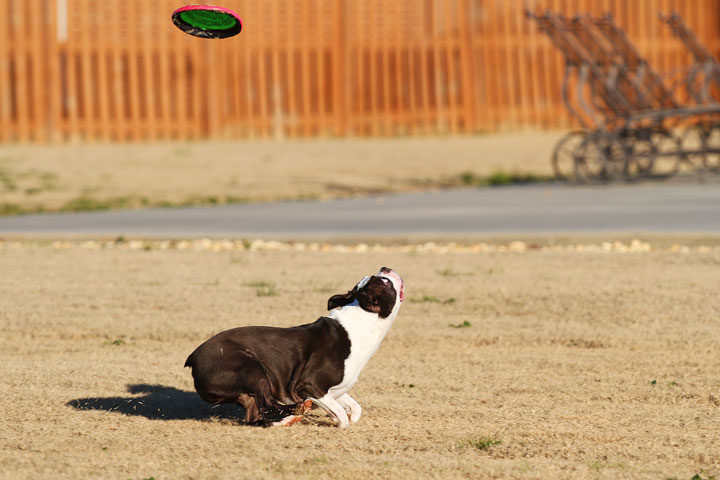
190,362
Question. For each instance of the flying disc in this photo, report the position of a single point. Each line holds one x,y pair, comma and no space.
207,21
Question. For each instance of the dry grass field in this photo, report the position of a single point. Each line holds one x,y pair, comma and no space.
535,364
81,177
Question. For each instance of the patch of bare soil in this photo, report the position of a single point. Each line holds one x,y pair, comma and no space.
72,177
502,364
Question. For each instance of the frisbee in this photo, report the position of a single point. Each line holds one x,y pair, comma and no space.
207,21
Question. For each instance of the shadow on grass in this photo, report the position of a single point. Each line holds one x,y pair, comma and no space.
158,402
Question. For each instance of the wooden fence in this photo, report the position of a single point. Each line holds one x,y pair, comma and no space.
118,70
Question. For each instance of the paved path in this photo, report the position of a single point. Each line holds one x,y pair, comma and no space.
644,208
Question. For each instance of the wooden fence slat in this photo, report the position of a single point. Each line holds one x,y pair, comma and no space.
103,79
373,53
412,73
6,82
133,51
363,107
148,81
497,84
397,100
37,33
467,65
251,91
52,82
509,67
199,61
277,128
437,73
178,86
522,56
385,50
450,83
72,100
320,71
305,47
21,16
340,64
88,84
484,77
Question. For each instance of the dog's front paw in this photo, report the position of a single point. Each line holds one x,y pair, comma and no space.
353,409
342,422
334,408
355,414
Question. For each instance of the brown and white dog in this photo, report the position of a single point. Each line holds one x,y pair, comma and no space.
277,374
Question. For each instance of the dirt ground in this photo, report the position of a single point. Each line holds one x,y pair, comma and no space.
528,364
124,175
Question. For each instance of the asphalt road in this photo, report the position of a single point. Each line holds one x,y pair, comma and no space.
643,208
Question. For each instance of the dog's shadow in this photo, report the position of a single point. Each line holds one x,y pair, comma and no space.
158,402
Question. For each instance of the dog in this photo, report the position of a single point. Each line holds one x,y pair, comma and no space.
279,374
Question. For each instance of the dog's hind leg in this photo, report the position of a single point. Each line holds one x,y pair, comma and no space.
253,390
300,411
288,421
304,407
252,413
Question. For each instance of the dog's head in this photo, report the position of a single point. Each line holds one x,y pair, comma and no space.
382,293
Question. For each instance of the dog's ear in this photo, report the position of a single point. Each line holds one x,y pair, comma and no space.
341,300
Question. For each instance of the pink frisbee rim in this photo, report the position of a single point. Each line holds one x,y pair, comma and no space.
206,33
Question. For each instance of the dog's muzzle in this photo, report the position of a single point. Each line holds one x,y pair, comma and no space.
389,272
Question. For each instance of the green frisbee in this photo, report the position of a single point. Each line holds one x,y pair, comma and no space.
207,21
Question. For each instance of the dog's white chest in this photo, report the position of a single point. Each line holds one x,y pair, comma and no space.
365,331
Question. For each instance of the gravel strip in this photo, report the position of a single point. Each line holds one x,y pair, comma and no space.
215,245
